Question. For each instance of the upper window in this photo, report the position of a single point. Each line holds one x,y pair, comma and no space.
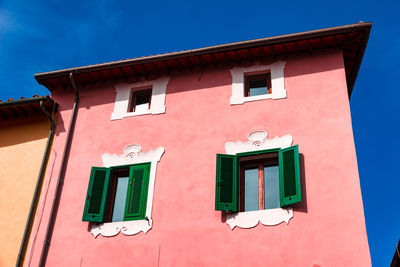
258,180
258,82
117,193
147,97
140,100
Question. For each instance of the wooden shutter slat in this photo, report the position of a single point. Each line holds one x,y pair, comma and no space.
96,198
135,207
226,195
289,176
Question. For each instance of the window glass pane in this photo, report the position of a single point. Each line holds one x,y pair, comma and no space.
258,86
142,107
120,198
251,189
140,101
258,91
142,98
271,190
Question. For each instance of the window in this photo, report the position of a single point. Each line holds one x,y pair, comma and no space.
140,100
259,84
117,193
258,180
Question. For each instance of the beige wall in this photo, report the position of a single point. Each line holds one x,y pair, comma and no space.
22,147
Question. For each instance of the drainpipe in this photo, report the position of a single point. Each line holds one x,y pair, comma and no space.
61,175
36,195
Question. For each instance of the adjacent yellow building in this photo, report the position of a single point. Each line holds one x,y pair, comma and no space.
25,137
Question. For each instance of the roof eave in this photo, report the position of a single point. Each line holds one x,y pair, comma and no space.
359,27
26,101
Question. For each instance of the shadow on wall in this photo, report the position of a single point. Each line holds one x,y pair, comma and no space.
24,131
302,206
197,79
60,125
313,63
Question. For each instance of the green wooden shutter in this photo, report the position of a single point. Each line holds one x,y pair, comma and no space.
289,176
226,193
97,194
136,200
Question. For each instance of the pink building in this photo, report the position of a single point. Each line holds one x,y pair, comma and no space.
232,155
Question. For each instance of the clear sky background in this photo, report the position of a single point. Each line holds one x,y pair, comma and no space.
38,36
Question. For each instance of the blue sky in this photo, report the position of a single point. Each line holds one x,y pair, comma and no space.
38,36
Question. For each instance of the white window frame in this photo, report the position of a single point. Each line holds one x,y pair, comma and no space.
135,226
123,98
277,82
248,219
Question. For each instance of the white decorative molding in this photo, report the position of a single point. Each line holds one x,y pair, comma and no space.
132,155
110,160
250,219
277,82
132,150
277,142
127,228
257,137
123,90
258,141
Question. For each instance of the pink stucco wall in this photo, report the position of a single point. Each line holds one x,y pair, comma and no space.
327,230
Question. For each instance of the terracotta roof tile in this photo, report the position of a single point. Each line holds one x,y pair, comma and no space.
22,97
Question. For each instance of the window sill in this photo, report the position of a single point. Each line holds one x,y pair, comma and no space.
138,113
127,228
250,219
278,95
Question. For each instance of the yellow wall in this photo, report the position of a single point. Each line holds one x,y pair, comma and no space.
22,147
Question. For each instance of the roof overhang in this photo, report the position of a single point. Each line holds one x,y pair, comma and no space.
26,107
351,39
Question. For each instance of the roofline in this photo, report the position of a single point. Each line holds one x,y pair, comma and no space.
361,26
26,101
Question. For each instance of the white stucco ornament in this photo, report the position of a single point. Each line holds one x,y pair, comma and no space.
132,155
127,228
257,137
250,219
132,150
258,141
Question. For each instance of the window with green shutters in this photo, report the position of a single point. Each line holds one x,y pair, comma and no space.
117,193
258,180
